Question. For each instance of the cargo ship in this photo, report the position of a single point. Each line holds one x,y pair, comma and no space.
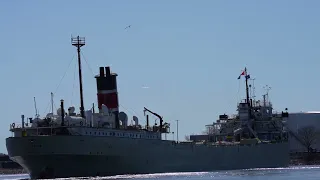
102,143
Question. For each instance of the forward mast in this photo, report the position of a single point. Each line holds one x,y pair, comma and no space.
79,42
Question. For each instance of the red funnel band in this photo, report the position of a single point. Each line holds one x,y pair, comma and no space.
108,99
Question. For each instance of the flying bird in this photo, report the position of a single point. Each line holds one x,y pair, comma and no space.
127,27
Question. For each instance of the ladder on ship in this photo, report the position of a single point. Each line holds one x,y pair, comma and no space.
253,132
239,130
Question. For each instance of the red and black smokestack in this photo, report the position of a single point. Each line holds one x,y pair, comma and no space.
107,92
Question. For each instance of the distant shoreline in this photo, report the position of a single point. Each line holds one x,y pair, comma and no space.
304,158
303,162
12,171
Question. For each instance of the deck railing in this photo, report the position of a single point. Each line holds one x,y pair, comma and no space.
18,130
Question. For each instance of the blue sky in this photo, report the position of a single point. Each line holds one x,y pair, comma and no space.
189,53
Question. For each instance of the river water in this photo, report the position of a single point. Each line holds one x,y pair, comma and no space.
291,173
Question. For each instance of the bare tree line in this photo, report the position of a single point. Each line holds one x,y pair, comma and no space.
309,137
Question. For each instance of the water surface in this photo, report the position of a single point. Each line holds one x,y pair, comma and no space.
291,173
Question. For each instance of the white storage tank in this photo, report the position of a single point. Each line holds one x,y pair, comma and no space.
299,120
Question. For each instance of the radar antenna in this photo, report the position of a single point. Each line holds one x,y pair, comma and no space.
79,42
267,89
253,90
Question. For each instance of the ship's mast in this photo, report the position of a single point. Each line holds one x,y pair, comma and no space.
247,91
247,87
79,42
52,103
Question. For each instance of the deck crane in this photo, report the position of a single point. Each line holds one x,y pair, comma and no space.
157,115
